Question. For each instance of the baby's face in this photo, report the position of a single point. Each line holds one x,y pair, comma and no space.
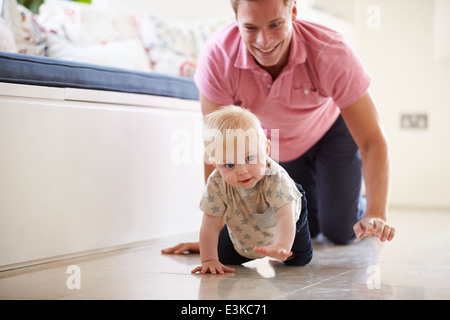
246,168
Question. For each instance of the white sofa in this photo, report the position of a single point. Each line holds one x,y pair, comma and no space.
86,170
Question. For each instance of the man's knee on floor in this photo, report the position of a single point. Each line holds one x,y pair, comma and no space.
340,237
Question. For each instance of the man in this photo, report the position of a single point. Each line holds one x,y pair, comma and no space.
305,81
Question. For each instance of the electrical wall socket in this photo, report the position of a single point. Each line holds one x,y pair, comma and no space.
414,121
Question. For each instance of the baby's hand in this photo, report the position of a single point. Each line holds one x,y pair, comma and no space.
274,251
213,266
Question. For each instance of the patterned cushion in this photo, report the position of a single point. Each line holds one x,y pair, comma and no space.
174,45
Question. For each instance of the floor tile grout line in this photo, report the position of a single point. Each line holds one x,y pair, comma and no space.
317,283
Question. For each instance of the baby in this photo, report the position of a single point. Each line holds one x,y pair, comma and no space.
265,210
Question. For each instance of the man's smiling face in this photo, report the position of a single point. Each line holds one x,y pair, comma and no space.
266,29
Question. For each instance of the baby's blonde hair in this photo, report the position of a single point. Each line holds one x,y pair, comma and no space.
231,125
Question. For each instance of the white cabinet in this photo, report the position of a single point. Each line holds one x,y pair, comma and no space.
80,176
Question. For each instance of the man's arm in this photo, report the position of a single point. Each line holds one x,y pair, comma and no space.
363,122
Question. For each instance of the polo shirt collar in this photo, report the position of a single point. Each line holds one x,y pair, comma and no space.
244,59
297,54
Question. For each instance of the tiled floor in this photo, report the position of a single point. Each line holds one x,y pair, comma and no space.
416,265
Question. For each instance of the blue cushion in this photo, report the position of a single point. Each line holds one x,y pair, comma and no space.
44,71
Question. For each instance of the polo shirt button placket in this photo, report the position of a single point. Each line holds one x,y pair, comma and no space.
269,84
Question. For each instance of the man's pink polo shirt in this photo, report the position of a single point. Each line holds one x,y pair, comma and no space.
323,74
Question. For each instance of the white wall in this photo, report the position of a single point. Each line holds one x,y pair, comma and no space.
80,176
442,29
408,79
397,41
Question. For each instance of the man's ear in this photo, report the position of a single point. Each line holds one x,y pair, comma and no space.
294,10
268,147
